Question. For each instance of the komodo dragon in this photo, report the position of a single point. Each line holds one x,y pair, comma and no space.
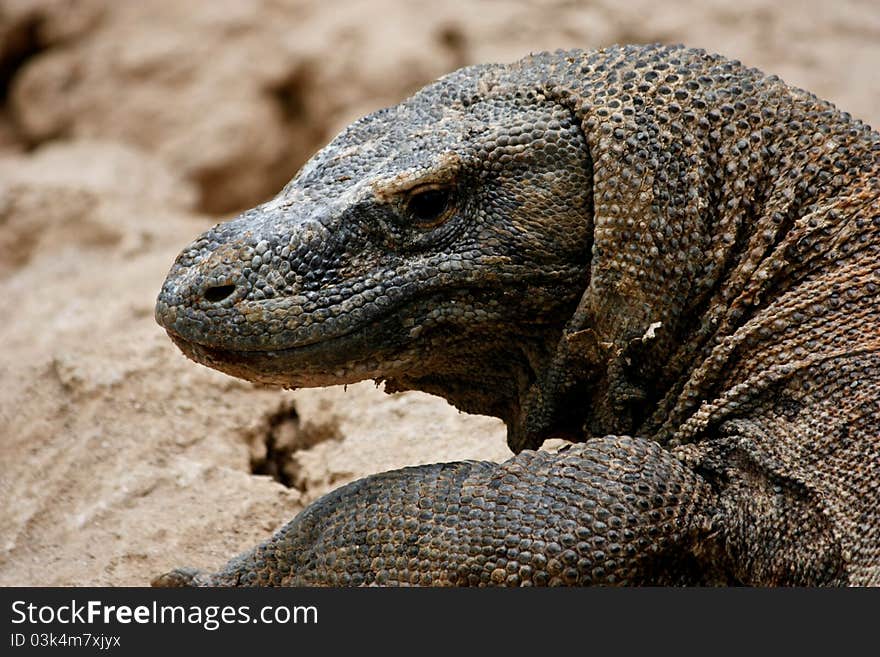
654,251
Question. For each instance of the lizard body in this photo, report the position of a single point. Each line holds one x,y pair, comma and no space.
657,252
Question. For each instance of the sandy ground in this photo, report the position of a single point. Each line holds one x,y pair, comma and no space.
126,128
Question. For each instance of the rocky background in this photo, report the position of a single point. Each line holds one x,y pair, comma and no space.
127,128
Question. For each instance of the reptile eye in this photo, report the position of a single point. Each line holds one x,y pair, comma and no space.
429,207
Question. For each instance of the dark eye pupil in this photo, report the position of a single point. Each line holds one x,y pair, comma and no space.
427,206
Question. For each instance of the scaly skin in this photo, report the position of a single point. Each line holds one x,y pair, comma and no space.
639,241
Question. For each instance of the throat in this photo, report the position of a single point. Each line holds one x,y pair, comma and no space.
492,382
488,388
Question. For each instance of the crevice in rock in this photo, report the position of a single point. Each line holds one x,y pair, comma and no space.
279,438
21,43
452,38
290,95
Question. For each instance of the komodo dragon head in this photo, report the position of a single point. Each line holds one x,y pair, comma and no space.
547,242
439,245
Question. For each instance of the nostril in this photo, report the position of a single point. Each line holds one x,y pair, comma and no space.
218,293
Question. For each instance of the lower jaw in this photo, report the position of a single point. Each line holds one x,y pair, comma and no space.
314,365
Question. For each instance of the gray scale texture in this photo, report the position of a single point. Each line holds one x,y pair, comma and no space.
663,255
